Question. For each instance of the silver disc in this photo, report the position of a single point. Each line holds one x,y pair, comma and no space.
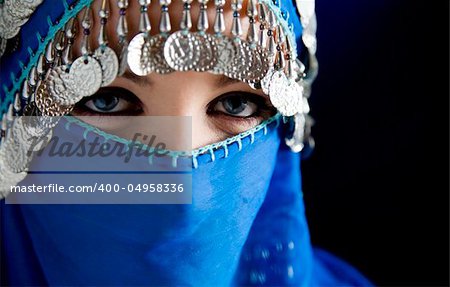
59,90
225,53
265,82
16,147
17,9
157,61
8,26
47,106
85,76
139,55
181,51
259,65
208,50
241,61
109,63
281,94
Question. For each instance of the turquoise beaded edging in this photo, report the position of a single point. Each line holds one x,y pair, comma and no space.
43,42
70,13
176,154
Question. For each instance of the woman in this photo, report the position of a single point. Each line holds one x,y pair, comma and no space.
233,68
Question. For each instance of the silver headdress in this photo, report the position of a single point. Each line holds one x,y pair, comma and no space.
266,59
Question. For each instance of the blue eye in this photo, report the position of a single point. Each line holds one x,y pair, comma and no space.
237,105
110,100
104,103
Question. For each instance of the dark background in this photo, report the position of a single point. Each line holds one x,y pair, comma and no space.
376,186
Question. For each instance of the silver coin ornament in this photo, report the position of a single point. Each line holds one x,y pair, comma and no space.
109,63
241,61
47,105
182,51
16,148
85,76
58,82
138,57
157,61
208,50
265,82
259,65
225,53
280,94
9,27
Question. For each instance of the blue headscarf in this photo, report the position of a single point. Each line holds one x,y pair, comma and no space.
246,224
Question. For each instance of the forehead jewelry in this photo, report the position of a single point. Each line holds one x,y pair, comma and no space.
106,56
122,33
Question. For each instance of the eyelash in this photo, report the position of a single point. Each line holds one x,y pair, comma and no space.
263,105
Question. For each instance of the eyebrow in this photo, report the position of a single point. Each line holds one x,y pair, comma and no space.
145,81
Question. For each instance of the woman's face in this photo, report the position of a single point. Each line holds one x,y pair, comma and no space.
220,107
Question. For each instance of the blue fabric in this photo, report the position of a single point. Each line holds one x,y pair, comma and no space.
246,226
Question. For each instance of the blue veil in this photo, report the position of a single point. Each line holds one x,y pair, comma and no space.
246,225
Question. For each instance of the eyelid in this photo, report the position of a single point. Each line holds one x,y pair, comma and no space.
259,100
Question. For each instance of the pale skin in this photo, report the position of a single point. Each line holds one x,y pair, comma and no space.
219,107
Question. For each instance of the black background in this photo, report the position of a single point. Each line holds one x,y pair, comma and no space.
376,186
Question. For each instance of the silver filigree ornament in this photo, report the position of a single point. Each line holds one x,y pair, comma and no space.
109,64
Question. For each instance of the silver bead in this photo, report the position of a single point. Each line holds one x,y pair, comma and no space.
40,68
165,2
252,35
186,20
236,5
262,41
25,90
262,13
17,103
145,2
122,26
280,60
252,9
271,45
236,28
271,19
202,24
144,23
219,23
67,55
50,53
164,23
10,114
33,77
70,28
86,23
203,1
122,4
280,34
219,3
